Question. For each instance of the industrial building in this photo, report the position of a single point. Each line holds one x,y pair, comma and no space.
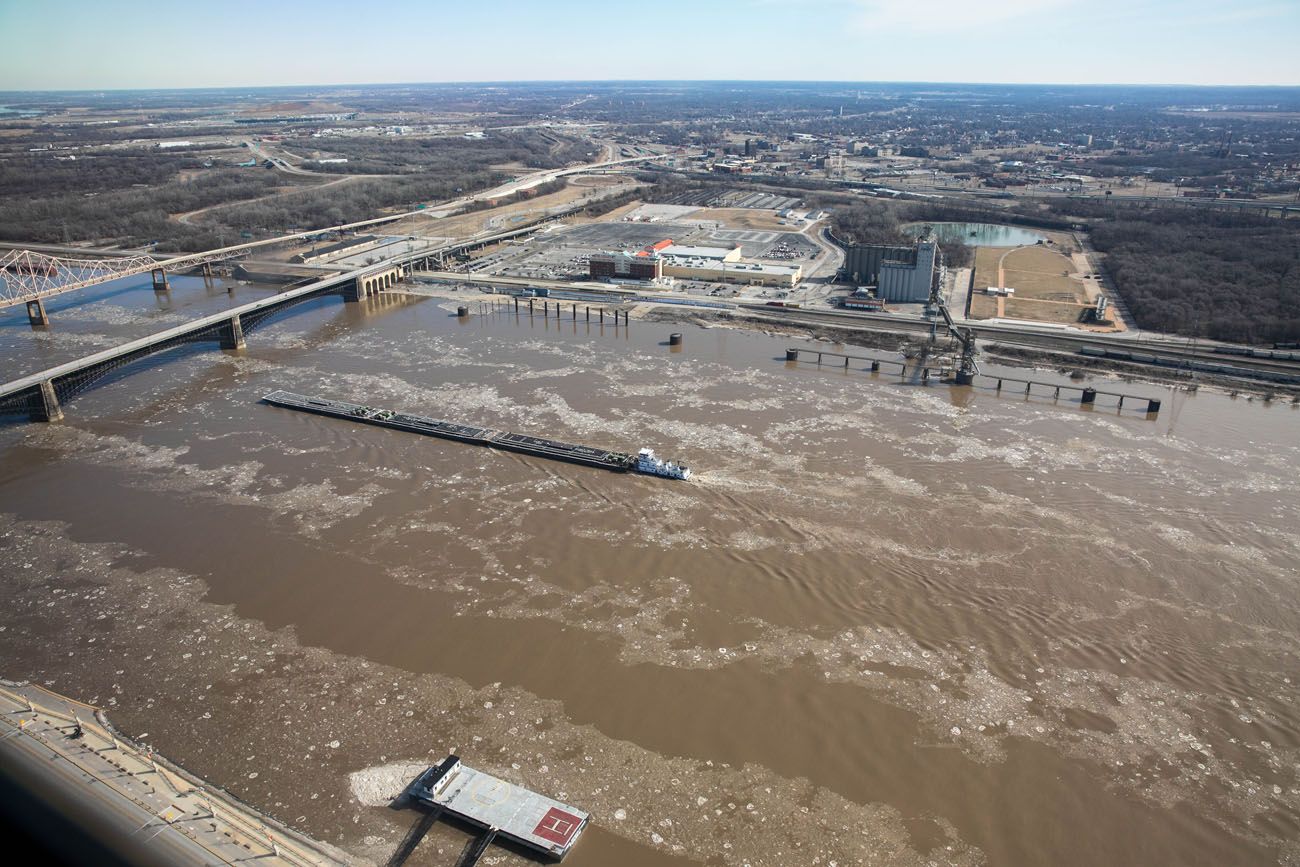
645,265
353,245
864,299
900,274
709,264
723,265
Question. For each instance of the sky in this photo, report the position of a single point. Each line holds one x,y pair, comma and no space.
110,44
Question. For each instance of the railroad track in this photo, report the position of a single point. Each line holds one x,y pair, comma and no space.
1024,337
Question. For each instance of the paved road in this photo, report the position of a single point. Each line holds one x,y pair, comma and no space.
280,163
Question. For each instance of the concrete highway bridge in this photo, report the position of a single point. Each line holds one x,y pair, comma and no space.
41,396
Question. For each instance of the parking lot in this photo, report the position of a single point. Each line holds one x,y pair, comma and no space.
735,199
563,253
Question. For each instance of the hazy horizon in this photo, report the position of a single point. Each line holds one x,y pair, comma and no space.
328,85
79,45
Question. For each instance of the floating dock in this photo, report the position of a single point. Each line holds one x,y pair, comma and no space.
538,823
530,445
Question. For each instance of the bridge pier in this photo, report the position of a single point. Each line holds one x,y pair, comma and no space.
36,313
232,334
49,409
207,275
159,280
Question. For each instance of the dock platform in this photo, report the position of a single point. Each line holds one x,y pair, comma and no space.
538,823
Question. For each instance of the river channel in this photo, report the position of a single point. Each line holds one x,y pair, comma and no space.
885,622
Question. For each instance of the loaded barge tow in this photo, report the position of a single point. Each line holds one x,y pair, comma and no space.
643,462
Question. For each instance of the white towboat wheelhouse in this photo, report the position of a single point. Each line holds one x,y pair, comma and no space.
647,463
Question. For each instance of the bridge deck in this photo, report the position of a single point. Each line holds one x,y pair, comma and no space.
34,380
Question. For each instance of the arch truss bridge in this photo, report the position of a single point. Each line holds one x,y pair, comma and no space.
28,277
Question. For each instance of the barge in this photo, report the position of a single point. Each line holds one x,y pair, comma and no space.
540,824
591,456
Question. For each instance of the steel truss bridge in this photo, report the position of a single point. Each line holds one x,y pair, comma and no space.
27,276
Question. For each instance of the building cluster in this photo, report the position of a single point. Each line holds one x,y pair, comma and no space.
864,298
664,259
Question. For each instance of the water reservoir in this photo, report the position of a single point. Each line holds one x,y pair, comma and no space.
979,234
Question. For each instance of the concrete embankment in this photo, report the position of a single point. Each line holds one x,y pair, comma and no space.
91,795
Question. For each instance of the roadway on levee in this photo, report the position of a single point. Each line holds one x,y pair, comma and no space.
64,758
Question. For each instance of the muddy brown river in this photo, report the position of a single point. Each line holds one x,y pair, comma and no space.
884,623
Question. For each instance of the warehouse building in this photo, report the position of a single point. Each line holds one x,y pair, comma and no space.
724,265
709,264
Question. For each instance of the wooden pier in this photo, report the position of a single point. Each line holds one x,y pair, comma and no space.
1087,394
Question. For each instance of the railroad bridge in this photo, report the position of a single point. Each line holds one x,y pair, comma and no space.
41,396
376,282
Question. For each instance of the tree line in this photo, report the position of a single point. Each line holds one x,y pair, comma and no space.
1206,273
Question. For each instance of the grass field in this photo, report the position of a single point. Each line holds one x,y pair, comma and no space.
744,218
508,216
1040,273
1041,276
1043,311
613,216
